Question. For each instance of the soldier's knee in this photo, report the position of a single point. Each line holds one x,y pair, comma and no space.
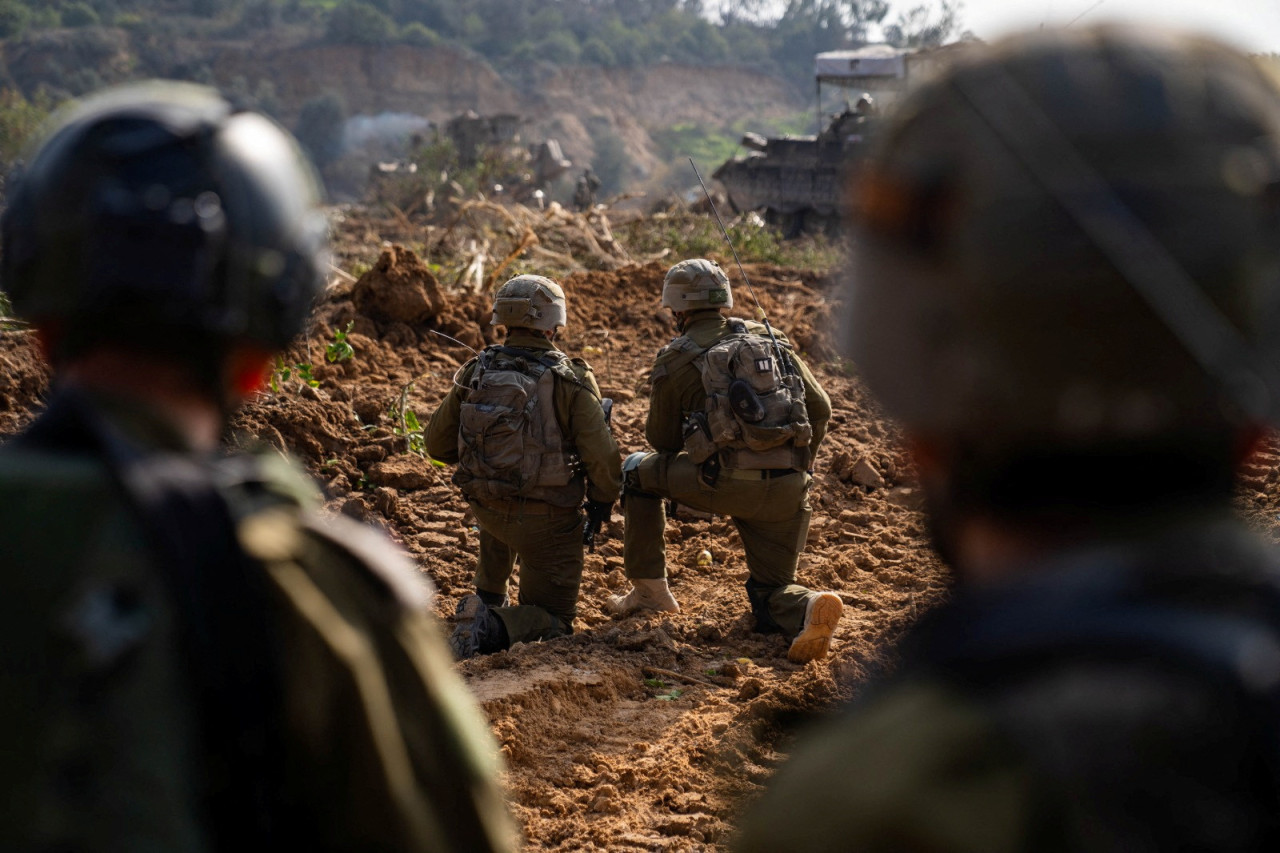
631,477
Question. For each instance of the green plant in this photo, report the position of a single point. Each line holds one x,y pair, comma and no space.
282,374
655,683
340,349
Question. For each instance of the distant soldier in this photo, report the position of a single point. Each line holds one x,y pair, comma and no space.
193,656
1066,289
526,427
736,419
584,191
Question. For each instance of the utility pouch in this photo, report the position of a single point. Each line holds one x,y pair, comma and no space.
709,471
698,442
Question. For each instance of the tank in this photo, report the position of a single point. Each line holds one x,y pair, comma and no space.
796,180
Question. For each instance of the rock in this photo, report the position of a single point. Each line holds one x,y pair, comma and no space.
385,501
406,473
865,475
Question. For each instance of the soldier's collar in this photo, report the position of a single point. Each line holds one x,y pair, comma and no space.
528,340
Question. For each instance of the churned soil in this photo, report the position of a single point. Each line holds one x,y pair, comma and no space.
650,732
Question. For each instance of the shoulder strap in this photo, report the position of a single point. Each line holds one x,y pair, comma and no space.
233,667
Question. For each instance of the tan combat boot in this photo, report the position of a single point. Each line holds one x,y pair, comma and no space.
821,614
646,594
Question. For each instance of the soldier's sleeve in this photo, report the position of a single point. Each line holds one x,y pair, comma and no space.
816,403
386,750
677,390
441,434
921,770
592,437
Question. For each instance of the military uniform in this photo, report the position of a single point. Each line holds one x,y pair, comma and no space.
1105,700
376,744
769,507
546,536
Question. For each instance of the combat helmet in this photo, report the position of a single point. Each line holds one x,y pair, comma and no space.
530,302
696,284
159,214
1041,259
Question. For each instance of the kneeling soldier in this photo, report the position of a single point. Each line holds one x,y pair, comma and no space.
736,418
526,427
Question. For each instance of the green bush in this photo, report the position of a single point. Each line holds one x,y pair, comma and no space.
79,15
14,17
419,34
356,22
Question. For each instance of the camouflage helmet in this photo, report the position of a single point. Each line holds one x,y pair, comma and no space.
1074,236
530,302
695,285
158,214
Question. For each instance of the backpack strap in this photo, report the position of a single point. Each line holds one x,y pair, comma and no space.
233,662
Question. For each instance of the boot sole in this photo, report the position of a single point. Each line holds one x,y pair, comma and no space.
460,640
820,622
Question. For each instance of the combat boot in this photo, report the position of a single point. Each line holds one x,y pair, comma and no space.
477,631
821,614
646,594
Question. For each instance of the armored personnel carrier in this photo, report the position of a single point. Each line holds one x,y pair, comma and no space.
797,180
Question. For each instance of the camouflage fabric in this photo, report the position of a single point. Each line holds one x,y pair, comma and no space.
1101,703
380,746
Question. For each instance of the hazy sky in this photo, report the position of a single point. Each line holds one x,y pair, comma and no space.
1253,25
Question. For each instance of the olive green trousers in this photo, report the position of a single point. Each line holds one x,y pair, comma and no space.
771,514
548,541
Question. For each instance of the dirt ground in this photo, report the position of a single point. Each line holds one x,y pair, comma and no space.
650,732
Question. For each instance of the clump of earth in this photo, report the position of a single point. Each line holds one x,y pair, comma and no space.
649,732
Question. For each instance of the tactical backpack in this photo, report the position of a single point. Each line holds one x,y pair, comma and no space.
510,444
755,414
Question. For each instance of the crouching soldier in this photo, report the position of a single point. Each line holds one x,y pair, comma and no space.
736,418
526,427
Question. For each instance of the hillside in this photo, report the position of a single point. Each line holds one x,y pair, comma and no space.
583,107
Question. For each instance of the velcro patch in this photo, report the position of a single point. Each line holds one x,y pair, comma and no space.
764,365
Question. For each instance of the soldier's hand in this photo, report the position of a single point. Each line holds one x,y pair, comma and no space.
598,513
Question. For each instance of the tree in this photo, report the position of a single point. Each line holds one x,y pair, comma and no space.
321,122
79,15
14,17
925,25
357,22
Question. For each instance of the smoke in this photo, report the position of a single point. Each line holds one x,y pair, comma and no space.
386,134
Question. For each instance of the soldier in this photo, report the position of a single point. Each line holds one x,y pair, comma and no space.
584,190
735,418
194,658
527,428
1065,287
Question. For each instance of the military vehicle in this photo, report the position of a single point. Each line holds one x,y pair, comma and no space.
797,180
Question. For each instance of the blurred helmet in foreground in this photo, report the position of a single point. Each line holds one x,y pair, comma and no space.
1074,236
158,215
696,284
530,302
